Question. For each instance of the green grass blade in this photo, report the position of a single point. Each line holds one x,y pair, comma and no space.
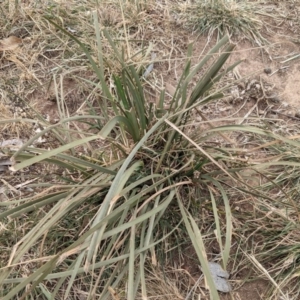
37,276
208,79
197,241
91,60
115,184
96,266
46,155
131,270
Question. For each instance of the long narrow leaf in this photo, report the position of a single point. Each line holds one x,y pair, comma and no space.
51,153
111,192
91,60
197,241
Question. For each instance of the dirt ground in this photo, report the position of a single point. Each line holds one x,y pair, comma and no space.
264,73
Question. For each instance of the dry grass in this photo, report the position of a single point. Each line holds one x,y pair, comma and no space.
240,19
266,232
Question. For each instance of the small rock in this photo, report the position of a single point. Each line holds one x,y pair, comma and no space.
220,277
268,70
285,104
276,99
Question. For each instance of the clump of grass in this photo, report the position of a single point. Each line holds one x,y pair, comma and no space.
101,221
224,17
276,252
153,165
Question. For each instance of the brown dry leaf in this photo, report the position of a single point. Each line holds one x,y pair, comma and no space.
10,43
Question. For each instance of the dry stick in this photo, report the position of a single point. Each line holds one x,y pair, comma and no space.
212,127
44,258
266,273
251,110
199,148
125,31
293,137
285,115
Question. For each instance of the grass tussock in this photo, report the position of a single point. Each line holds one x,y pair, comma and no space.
236,18
124,191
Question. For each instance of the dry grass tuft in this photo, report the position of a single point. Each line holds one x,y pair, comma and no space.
235,18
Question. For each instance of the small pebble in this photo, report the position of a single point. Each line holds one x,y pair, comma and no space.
267,70
275,99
